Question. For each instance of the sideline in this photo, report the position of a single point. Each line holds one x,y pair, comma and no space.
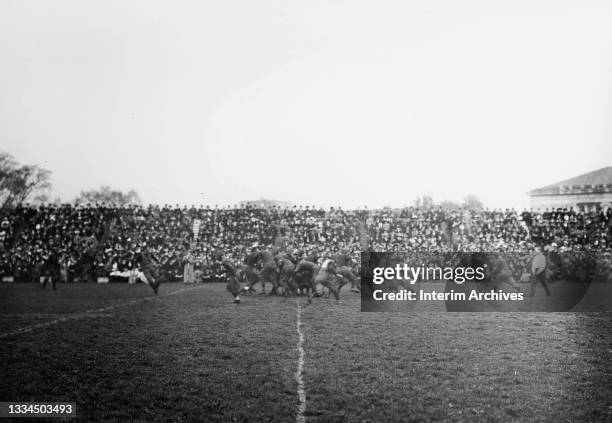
299,378
89,313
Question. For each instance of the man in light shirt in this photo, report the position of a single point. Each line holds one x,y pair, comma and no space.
330,279
538,271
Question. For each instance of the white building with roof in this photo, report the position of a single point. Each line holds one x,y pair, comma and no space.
593,189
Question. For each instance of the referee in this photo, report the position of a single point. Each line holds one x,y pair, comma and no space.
538,271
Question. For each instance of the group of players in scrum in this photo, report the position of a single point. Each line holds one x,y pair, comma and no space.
288,275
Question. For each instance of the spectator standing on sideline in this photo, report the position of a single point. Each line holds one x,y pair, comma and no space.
51,268
188,271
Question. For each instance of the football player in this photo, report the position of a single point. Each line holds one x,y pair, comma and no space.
149,265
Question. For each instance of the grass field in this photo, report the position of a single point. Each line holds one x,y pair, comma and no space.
121,354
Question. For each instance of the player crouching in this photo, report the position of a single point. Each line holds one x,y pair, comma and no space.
233,286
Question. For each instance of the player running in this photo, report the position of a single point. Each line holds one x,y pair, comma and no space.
345,265
329,278
149,265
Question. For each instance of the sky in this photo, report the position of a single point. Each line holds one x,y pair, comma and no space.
345,103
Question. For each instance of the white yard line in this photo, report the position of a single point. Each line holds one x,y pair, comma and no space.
299,378
86,313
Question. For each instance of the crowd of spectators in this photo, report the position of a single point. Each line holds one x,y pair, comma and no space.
435,229
100,240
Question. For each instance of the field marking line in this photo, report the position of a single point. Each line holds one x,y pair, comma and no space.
299,377
88,313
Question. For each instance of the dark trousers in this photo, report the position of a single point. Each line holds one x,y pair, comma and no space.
50,277
541,278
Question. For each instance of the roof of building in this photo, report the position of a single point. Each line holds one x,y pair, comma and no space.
601,176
